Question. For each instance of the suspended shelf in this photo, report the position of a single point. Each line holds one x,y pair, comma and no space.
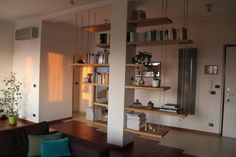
100,104
135,65
161,88
97,28
154,111
104,46
159,133
150,22
100,123
158,43
96,84
90,65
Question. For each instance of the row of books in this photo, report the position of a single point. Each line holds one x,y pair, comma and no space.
99,78
157,35
173,108
135,120
100,57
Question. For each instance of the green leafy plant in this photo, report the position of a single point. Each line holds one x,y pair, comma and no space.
11,95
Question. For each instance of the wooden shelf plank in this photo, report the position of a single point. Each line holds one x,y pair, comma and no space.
100,104
97,28
96,84
158,134
104,46
100,123
150,22
158,43
154,111
134,65
90,65
162,88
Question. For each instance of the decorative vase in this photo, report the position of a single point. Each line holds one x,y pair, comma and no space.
12,120
155,83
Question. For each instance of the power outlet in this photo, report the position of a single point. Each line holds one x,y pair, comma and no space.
210,124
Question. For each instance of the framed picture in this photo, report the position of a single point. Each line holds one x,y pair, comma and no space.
211,69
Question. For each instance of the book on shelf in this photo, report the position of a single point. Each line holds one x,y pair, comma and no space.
100,57
158,35
173,108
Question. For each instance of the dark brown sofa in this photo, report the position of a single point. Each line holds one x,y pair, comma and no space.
14,142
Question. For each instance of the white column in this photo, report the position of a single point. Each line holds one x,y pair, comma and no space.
117,72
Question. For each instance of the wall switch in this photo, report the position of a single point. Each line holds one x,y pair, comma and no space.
210,124
213,92
217,86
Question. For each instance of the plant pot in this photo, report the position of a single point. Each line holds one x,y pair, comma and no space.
155,83
12,120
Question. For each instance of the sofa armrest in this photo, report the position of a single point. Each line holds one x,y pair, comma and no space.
82,148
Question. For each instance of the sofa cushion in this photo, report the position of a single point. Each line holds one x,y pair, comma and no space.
55,148
14,142
8,145
34,142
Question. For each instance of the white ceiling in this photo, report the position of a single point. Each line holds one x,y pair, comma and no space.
14,10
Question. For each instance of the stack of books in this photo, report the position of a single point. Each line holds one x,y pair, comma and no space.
94,113
136,120
173,108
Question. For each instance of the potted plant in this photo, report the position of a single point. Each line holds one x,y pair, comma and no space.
156,80
10,97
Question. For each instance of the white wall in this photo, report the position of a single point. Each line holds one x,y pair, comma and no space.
58,47
6,48
26,64
209,35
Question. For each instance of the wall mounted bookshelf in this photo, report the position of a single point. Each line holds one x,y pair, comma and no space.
99,123
90,65
100,104
104,46
97,28
159,133
162,88
96,84
150,22
159,43
154,111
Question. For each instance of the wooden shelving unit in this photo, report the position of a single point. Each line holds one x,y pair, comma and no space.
154,111
158,43
96,84
162,88
97,28
90,65
159,133
134,65
150,22
104,46
100,104
100,123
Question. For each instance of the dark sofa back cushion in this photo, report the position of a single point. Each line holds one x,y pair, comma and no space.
8,145
15,142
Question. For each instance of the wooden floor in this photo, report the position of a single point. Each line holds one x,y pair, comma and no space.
140,148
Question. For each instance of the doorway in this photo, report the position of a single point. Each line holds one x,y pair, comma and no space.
229,107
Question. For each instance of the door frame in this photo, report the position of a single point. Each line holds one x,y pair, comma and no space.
223,84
